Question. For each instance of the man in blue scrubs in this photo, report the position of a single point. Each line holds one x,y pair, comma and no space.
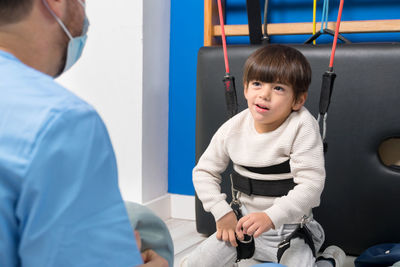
59,199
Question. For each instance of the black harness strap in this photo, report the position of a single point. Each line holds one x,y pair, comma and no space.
270,188
254,20
245,248
274,188
230,95
328,79
267,188
283,167
300,232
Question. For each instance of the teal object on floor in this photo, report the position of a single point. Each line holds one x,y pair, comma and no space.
153,231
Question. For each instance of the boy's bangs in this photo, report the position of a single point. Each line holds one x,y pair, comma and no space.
270,72
278,64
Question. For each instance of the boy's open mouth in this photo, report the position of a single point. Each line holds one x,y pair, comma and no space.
262,107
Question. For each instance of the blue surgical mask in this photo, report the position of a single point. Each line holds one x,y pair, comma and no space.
75,44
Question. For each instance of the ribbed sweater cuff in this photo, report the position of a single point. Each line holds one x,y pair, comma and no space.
277,216
220,209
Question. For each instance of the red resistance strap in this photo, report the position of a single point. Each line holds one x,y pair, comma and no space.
336,35
328,79
229,81
329,76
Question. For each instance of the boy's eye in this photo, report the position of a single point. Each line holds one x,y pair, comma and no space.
256,83
279,88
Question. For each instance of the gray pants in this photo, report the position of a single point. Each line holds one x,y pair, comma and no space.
215,253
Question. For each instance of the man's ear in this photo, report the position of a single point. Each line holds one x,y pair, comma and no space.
58,7
297,104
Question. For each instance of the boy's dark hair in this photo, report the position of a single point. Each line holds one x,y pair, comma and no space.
279,64
12,11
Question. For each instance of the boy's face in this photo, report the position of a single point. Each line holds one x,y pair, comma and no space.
270,104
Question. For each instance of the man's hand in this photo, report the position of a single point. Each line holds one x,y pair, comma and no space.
152,259
226,228
138,240
254,224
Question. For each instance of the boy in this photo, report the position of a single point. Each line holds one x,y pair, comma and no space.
274,145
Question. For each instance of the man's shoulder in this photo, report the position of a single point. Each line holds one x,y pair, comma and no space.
30,102
23,85
55,95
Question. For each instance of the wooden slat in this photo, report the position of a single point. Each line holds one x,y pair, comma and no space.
210,19
208,26
366,26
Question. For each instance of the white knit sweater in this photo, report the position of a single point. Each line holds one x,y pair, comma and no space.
297,139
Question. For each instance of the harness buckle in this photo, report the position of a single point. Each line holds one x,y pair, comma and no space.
324,117
235,199
245,241
284,243
305,219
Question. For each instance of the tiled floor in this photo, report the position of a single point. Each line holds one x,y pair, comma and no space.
186,238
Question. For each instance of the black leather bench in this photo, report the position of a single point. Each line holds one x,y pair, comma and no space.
361,201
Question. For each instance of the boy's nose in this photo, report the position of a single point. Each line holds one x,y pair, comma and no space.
265,93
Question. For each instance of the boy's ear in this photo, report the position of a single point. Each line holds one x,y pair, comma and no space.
297,104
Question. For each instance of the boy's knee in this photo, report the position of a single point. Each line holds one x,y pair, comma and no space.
298,255
211,253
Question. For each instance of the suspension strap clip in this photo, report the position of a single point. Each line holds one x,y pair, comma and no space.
304,220
235,203
328,79
246,247
323,128
302,232
230,94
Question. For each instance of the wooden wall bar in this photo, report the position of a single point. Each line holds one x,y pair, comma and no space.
212,30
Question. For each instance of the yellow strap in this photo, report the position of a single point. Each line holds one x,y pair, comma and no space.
314,23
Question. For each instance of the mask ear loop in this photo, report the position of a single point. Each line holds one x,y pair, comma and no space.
58,19
82,4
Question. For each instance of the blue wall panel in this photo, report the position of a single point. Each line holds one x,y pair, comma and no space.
187,37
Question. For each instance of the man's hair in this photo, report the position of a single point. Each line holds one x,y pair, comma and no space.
279,64
12,11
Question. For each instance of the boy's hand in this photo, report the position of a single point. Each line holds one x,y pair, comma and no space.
254,224
226,228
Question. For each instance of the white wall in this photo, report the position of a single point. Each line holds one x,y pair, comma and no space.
156,30
111,76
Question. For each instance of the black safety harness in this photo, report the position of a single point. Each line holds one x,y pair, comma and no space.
275,188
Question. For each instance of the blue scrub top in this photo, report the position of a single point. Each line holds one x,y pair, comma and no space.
60,203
